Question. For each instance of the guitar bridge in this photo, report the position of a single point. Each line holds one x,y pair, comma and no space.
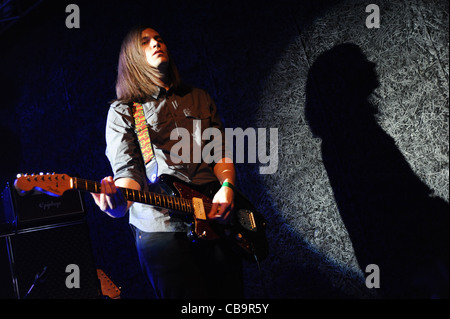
247,219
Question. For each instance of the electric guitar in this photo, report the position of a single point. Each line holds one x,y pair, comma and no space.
245,231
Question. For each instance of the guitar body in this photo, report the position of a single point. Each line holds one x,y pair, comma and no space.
246,228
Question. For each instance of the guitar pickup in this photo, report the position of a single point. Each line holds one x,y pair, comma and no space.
199,209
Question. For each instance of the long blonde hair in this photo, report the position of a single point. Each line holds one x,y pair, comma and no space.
136,79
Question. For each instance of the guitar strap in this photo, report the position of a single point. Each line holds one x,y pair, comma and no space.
144,138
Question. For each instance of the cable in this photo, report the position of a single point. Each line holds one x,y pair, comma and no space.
266,294
37,279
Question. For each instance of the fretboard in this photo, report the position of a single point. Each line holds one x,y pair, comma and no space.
154,199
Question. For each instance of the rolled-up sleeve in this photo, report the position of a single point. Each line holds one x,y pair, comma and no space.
122,147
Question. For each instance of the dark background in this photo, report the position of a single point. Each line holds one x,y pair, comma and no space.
362,118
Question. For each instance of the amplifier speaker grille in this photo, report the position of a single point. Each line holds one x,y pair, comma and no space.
53,250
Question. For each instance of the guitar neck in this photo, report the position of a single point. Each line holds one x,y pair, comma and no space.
150,198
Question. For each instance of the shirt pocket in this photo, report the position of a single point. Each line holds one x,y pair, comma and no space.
160,125
156,121
197,115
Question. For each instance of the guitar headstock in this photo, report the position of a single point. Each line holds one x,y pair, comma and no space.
50,184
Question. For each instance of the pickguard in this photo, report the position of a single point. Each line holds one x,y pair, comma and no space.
189,193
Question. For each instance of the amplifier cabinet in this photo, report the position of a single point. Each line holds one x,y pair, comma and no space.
48,246
36,209
53,263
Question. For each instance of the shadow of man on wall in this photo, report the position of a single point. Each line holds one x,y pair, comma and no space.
389,213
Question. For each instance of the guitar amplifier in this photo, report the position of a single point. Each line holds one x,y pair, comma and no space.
43,236
36,209
51,263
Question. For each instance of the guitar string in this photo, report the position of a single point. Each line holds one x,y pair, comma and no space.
90,184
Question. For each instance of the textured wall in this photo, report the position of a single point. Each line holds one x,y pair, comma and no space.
362,119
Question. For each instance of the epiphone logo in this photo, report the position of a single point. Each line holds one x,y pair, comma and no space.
49,205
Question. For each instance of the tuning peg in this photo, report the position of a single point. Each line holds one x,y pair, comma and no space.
19,175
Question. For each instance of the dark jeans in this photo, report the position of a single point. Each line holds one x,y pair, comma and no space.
178,268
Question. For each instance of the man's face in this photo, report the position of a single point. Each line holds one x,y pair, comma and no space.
155,49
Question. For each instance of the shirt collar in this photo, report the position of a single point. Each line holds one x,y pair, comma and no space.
162,92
